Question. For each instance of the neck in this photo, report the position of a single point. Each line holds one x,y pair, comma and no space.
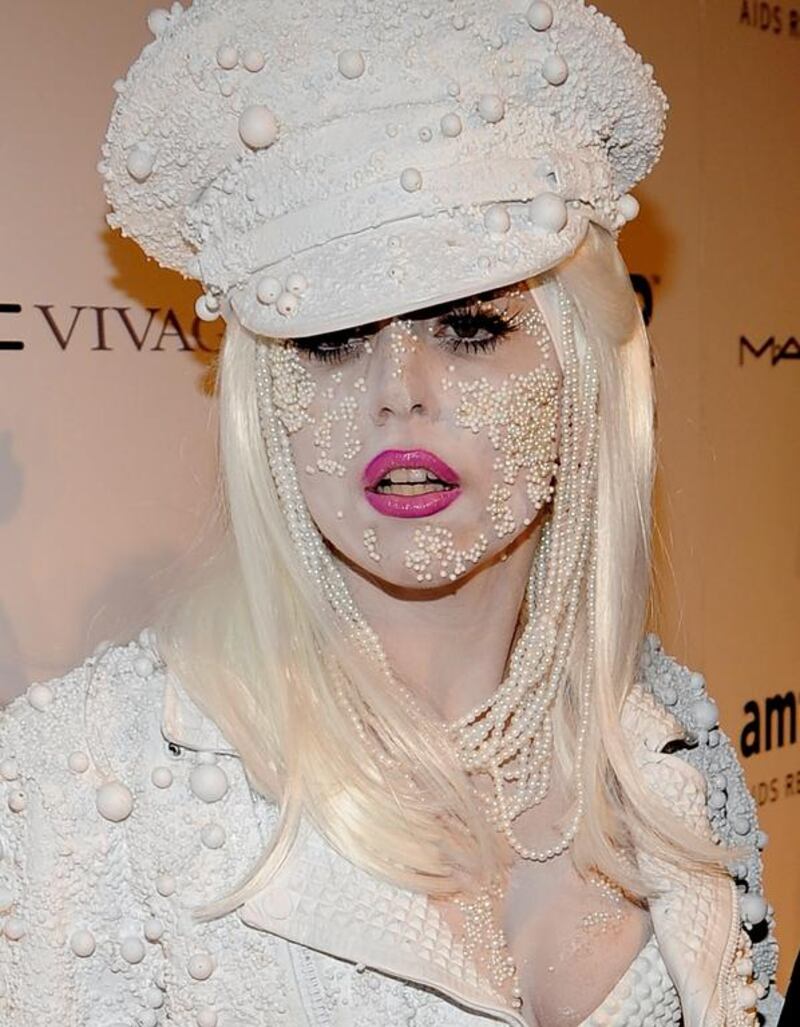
450,646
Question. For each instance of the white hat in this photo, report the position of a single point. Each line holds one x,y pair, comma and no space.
326,163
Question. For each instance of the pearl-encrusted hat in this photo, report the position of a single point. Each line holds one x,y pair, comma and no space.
326,163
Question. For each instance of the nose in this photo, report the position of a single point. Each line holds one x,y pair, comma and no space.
403,374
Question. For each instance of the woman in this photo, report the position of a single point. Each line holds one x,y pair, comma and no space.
401,755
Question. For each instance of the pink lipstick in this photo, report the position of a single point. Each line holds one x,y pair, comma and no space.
409,483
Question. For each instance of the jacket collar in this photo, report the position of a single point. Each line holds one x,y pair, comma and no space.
320,900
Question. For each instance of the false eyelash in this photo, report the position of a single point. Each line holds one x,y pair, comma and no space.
335,349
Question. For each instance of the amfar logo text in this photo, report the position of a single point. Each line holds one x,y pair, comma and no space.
772,349
767,17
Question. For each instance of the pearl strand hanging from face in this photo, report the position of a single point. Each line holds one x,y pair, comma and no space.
509,737
513,726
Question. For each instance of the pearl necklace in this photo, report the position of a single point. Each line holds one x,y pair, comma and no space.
509,736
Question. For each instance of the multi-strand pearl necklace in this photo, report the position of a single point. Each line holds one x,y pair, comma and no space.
509,736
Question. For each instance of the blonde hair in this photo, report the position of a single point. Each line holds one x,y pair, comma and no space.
259,651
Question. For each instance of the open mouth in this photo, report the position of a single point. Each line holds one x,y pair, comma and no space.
409,483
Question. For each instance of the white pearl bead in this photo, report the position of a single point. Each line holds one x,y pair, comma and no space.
411,180
227,57
258,127
744,967
286,304
491,107
17,801
82,943
497,219
203,311
555,69
132,950
153,929
753,907
78,762
296,283
8,769
157,21
548,211
140,163
14,928
40,696
161,777
268,290
154,997
7,899
705,714
208,782
747,997
165,885
451,125
201,966
351,63
253,60
206,1017
540,16
213,836
114,801
143,666
628,207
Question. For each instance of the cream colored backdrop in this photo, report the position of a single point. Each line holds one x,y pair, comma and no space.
107,430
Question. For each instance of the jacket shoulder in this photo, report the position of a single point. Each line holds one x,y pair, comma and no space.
681,694
93,707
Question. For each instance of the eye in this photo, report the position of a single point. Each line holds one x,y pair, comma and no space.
476,327
335,347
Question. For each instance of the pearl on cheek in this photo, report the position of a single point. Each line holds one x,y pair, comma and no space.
520,416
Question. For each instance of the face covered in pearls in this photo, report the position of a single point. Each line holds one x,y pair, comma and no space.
424,445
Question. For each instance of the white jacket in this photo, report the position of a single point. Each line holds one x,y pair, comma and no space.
122,806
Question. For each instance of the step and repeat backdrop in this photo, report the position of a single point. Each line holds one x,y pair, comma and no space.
107,420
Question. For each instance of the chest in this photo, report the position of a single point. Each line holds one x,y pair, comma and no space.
571,939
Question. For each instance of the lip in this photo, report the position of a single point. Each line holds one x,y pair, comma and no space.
409,506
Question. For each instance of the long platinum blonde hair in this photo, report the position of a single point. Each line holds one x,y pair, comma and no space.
252,642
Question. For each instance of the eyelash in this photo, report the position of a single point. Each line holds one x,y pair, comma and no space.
497,322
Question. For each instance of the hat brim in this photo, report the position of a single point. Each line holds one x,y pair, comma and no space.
399,267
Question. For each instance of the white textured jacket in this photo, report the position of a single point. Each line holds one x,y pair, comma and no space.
121,806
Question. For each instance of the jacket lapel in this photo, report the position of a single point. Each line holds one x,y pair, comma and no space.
322,901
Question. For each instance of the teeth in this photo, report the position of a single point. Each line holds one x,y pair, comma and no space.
410,475
406,489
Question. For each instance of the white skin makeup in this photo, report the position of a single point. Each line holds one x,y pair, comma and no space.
466,393
471,390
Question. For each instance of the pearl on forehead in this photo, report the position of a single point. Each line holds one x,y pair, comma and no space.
548,211
258,127
351,63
